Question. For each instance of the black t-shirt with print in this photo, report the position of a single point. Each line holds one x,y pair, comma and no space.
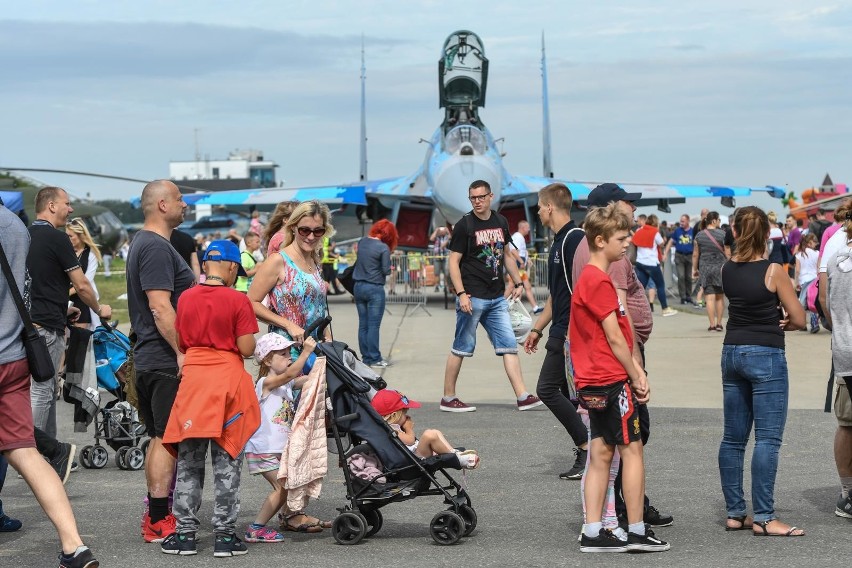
51,257
481,245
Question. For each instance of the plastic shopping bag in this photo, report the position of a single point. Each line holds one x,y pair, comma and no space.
521,319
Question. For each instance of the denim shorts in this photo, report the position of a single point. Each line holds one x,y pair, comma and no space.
494,317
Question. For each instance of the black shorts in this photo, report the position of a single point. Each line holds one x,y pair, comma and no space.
156,391
618,423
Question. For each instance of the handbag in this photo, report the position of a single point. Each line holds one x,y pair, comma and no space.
347,279
38,355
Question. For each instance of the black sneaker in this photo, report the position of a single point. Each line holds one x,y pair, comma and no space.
656,519
844,507
81,559
646,542
604,542
63,460
179,543
579,467
228,545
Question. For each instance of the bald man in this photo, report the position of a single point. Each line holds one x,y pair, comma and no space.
156,277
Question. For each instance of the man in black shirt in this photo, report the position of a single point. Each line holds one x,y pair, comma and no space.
477,257
53,268
185,246
554,209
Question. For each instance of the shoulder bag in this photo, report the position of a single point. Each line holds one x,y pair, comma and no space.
38,356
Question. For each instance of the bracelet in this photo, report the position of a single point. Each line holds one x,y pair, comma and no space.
518,284
538,331
459,294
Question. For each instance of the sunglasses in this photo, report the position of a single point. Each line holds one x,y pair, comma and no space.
476,198
305,231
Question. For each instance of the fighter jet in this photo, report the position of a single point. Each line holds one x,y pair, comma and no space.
460,151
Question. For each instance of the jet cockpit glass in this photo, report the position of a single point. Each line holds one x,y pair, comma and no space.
467,140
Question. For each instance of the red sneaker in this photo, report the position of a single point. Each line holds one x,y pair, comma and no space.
157,532
529,403
455,405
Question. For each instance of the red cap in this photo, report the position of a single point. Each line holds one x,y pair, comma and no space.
388,401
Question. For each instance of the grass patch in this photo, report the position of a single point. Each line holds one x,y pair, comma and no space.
113,287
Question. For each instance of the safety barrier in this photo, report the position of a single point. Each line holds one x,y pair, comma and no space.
412,277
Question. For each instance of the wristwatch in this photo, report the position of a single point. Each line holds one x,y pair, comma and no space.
459,294
518,284
538,331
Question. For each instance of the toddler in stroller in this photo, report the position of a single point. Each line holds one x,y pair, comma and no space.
393,473
393,406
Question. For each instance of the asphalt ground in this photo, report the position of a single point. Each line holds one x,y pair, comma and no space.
527,515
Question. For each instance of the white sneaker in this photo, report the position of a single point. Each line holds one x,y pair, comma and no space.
669,312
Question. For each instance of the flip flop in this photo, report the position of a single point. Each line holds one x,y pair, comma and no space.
765,532
742,521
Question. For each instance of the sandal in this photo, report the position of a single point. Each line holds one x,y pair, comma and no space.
711,328
306,527
745,523
720,328
765,531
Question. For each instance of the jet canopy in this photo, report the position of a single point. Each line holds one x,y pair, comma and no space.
462,71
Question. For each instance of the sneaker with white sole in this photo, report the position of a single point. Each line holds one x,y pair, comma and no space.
646,542
455,405
668,312
228,545
532,401
844,508
263,534
63,460
182,544
604,542
579,467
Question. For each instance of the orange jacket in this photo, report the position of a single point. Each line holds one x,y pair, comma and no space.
215,400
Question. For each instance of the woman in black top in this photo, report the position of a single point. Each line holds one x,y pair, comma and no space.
754,373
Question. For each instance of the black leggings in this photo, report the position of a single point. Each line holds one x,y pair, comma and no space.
552,389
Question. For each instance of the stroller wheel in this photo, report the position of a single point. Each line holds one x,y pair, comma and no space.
374,521
468,515
99,457
447,527
86,457
349,528
119,457
134,459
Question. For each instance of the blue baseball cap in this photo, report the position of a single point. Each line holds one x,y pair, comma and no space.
225,250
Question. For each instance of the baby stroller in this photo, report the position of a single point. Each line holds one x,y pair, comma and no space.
358,429
117,423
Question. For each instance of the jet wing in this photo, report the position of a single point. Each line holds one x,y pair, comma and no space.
652,194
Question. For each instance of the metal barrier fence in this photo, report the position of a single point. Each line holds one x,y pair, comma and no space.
412,276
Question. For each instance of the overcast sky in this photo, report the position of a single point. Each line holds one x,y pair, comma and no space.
742,92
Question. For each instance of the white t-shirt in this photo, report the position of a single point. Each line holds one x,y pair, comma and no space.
807,266
276,415
520,243
648,255
834,244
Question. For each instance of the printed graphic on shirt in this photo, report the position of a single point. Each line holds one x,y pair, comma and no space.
491,241
284,415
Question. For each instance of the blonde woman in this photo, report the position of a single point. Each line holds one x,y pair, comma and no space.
292,278
89,256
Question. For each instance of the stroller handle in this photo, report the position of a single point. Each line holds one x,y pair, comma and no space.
319,325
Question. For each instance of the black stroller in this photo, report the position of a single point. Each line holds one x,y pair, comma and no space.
357,428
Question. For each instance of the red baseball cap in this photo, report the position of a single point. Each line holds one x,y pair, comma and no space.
388,401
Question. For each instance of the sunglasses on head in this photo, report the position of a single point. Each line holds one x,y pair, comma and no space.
305,231
404,399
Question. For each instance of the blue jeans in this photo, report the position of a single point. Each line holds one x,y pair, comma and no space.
494,317
647,272
370,302
755,388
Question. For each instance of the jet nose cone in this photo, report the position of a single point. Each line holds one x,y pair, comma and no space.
453,178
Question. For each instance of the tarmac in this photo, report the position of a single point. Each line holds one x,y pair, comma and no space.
527,515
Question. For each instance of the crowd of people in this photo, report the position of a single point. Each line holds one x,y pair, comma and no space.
195,305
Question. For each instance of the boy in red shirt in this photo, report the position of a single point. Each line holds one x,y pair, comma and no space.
216,405
609,385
